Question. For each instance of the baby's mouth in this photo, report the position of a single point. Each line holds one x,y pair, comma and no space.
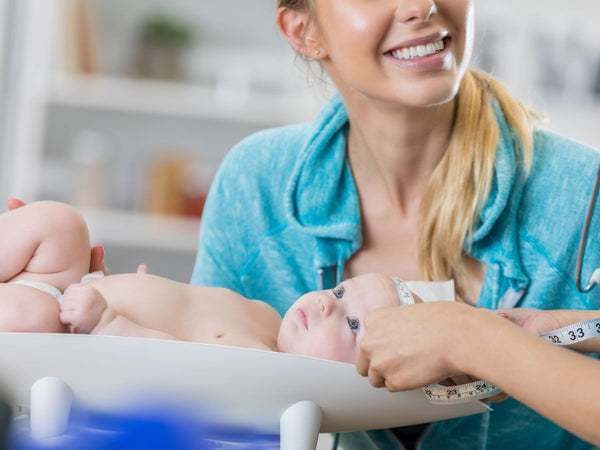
303,318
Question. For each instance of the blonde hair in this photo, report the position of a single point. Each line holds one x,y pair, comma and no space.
293,4
461,183
459,186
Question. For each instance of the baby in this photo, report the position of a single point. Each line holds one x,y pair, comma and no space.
48,248
323,324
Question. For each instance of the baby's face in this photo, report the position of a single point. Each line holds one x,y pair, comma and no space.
329,324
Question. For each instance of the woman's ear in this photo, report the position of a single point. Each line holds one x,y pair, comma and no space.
295,26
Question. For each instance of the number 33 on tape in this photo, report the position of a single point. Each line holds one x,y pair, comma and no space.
573,334
478,390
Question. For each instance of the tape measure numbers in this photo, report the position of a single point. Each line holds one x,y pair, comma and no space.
462,393
575,333
477,390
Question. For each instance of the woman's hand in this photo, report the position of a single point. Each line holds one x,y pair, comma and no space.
407,347
96,252
535,321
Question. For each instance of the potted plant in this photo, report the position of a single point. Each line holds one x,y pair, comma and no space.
162,41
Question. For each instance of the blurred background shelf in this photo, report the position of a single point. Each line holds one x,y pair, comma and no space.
178,100
142,230
167,245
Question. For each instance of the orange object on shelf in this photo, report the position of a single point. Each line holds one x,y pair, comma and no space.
178,185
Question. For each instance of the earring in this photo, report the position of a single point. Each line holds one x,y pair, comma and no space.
317,52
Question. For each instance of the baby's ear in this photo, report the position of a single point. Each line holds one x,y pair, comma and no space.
416,297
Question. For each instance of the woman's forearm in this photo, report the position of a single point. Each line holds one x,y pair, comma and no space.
560,384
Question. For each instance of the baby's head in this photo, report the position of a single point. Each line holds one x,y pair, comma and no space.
329,324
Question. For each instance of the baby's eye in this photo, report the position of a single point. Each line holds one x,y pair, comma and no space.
353,323
338,292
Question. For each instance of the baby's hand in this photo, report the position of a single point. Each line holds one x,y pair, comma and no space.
82,307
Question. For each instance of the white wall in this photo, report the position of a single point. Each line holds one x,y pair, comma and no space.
4,11
548,53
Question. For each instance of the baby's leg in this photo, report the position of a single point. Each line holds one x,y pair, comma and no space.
46,242
85,309
23,308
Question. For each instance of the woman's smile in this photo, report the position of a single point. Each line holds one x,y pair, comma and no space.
419,47
430,56
430,42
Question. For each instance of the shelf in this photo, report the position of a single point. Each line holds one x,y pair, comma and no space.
179,100
141,230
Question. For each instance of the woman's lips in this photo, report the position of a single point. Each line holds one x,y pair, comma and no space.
429,39
429,62
303,318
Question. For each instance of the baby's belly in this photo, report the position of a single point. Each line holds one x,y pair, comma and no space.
231,339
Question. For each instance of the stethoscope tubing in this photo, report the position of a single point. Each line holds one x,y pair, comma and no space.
583,240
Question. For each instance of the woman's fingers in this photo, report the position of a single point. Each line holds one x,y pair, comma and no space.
496,398
97,260
376,379
364,367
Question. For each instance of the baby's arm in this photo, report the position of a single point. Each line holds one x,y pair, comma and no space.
86,310
151,306
177,309
45,242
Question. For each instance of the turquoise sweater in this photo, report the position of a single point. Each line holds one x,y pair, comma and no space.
283,216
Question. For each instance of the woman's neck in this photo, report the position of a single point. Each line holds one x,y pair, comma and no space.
393,151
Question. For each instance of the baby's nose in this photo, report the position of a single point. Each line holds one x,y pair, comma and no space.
326,305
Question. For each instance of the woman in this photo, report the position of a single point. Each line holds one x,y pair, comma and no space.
419,168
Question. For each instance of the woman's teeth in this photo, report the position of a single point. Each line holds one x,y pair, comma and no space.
419,51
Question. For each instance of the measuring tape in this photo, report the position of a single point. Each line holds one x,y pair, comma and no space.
573,333
477,390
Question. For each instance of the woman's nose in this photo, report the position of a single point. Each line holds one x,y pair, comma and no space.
415,10
326,305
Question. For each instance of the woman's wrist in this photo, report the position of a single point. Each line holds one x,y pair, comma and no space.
474,339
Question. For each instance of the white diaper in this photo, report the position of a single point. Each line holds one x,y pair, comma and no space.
433,291
41,287
92,276
51,289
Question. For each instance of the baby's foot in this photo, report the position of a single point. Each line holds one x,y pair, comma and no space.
84,309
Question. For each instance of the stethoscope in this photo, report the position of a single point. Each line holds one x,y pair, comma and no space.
595,278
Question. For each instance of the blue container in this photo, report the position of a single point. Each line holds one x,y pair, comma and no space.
150,429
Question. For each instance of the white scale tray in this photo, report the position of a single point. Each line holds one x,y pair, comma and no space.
237,386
